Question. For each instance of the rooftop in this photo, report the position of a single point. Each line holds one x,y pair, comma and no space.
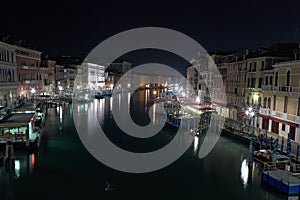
18,118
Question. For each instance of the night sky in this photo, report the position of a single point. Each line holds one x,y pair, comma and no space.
61,28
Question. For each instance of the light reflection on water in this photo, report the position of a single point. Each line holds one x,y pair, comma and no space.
244,173
223,174
22,165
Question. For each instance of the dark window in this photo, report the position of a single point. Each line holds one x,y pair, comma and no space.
262,65
274,103
271,80
269,102
260,82
288,78
253,80
254,68
285,104
267,80
276,79
265,102
283,127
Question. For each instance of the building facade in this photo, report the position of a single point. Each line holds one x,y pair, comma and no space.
8,76
47,71
28,70
93,77
117,70
280,110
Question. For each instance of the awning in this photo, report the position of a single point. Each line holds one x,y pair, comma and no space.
202,107
284,122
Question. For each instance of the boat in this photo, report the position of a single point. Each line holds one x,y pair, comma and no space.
103,94
264,156
20,128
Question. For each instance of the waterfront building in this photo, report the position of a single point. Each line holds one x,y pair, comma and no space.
8,76
280,109
28,70
47,76
59,78
93,77
117,70
68,82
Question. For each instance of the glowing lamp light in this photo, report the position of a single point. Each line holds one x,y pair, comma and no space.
255,97
198,99
250,112
33,90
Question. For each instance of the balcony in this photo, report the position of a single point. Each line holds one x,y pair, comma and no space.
273,113
284,115
298,119
30,81
8,84
264,111
28,67
285,88
267,87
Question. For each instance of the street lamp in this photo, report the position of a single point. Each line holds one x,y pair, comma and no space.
249,113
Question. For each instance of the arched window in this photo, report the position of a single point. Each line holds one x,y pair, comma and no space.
288,78
271,80
267,80
269,102
276,79
265,102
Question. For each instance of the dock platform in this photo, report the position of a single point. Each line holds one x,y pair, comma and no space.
282,180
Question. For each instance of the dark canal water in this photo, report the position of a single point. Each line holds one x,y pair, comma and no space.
63,169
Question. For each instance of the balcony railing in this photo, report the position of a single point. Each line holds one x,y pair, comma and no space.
28,67
285,88
31,81
264,111
267,87
9,83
